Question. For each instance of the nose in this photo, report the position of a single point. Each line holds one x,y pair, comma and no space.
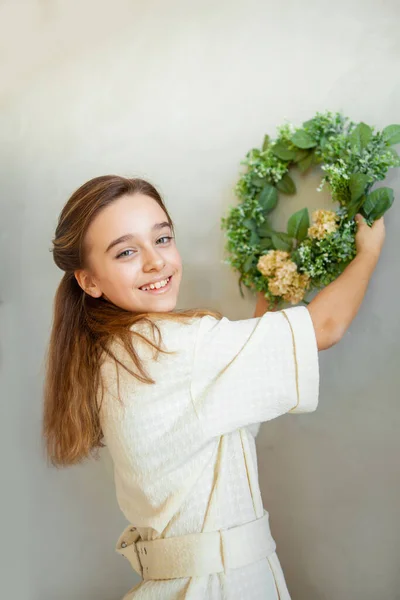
153,260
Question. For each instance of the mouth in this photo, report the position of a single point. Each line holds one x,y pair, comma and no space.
160,290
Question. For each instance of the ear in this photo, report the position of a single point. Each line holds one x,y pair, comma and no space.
87,283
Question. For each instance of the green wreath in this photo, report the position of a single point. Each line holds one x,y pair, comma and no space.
287,265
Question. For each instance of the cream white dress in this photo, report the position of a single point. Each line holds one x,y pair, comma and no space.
184,448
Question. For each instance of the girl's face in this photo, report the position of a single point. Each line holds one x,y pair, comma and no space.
129,246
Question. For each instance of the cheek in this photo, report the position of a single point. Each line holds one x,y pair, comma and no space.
121,275
175,259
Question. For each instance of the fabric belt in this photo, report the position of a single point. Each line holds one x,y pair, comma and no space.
197,554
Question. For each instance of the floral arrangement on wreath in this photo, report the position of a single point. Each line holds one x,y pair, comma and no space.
286,265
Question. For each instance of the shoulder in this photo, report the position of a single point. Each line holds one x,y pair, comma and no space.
165,326
175,337
168,333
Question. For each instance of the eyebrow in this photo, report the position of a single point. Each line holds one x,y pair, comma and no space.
130,236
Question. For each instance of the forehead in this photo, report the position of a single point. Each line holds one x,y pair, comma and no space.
135,214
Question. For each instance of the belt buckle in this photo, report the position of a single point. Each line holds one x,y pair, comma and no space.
126,547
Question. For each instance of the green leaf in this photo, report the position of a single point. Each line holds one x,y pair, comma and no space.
253,154
360,137
257,181
254,239
309,123
250,224
377,203
306,162
248,264
240,285
281,241
391,134
266,244
268,198
298,225
354,206
357,183
286,185
323,142
302,139
265,142
282,151
396,156
301,155
264,230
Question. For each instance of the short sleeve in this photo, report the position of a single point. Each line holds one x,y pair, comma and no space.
254,370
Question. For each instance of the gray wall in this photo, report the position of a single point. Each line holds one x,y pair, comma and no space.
178,92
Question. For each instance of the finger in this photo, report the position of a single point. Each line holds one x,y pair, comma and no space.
359,219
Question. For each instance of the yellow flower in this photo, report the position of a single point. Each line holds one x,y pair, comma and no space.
297,290
325,222
268,263
283,278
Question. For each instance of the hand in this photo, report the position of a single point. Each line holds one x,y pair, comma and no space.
263,305
369,240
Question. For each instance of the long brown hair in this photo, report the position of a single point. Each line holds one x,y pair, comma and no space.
83,328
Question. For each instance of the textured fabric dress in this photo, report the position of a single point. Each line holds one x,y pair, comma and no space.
184,449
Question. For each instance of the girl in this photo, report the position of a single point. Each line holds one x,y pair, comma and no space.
178,396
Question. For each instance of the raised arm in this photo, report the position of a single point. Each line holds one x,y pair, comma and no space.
334,308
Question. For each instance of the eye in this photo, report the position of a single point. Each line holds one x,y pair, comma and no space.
124,254
166,237
129,252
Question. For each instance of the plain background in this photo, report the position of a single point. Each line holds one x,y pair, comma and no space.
178,92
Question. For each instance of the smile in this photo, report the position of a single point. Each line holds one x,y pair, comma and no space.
163,286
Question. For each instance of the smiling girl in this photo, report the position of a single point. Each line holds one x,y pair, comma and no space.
178,396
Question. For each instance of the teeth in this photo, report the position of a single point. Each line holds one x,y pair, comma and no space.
156,286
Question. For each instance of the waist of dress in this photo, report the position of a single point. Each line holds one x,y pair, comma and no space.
197,554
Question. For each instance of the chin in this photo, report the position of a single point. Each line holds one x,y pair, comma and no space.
162,307
156,305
